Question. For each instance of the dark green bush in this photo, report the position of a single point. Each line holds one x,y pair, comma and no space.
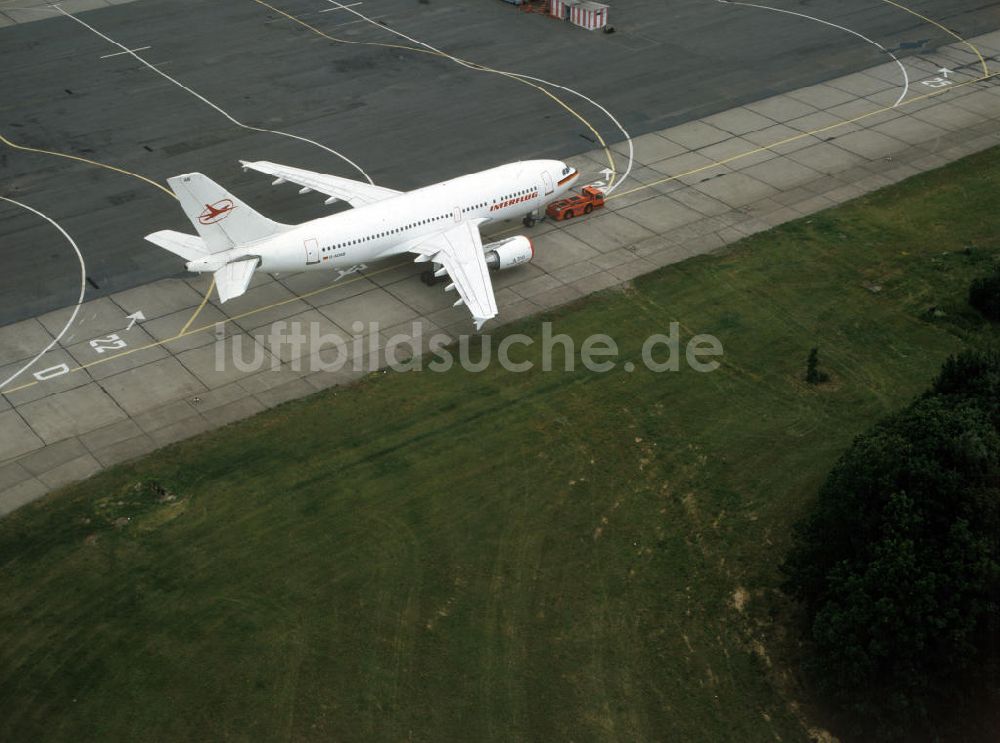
898,567
984,295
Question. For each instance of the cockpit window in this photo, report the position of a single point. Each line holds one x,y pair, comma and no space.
566,170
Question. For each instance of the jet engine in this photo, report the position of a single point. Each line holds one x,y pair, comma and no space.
509,253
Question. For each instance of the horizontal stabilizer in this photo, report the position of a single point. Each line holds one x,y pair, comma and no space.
233,278
188,247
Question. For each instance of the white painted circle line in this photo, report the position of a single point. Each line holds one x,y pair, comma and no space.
482,68
906,77
628,137
79,301
203,99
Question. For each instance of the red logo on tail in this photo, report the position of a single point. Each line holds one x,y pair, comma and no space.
216,212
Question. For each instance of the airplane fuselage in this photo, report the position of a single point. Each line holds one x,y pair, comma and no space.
377,231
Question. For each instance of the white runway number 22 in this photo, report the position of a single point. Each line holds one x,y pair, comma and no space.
939,82
112,343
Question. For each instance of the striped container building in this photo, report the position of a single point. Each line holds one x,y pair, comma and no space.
589,15
561,8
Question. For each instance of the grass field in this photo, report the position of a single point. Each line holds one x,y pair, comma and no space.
494,556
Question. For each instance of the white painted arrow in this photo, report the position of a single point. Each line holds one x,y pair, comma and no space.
607,173
134,318
946,72
352,270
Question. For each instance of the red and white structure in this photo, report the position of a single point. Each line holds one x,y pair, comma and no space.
589,15
561,8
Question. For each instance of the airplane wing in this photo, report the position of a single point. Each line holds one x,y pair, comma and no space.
336,188
460,251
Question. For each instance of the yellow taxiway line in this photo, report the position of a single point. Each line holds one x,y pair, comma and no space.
803,135
185,331
459,60
973,47
86,161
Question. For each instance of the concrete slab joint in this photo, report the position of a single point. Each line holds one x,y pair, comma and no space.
693,189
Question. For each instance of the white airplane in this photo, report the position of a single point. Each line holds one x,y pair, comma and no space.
439,224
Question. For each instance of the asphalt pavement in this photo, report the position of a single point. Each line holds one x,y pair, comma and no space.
405,117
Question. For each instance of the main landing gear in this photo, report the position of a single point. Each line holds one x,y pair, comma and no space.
428,277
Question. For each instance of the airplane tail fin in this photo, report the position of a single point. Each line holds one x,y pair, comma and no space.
221,219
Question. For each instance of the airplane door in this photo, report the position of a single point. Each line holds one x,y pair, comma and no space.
458,214
312,251
547,179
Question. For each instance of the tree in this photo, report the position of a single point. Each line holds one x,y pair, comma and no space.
972,376
984,295
898,567
813,374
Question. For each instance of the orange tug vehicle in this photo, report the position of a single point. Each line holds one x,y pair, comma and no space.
589,198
